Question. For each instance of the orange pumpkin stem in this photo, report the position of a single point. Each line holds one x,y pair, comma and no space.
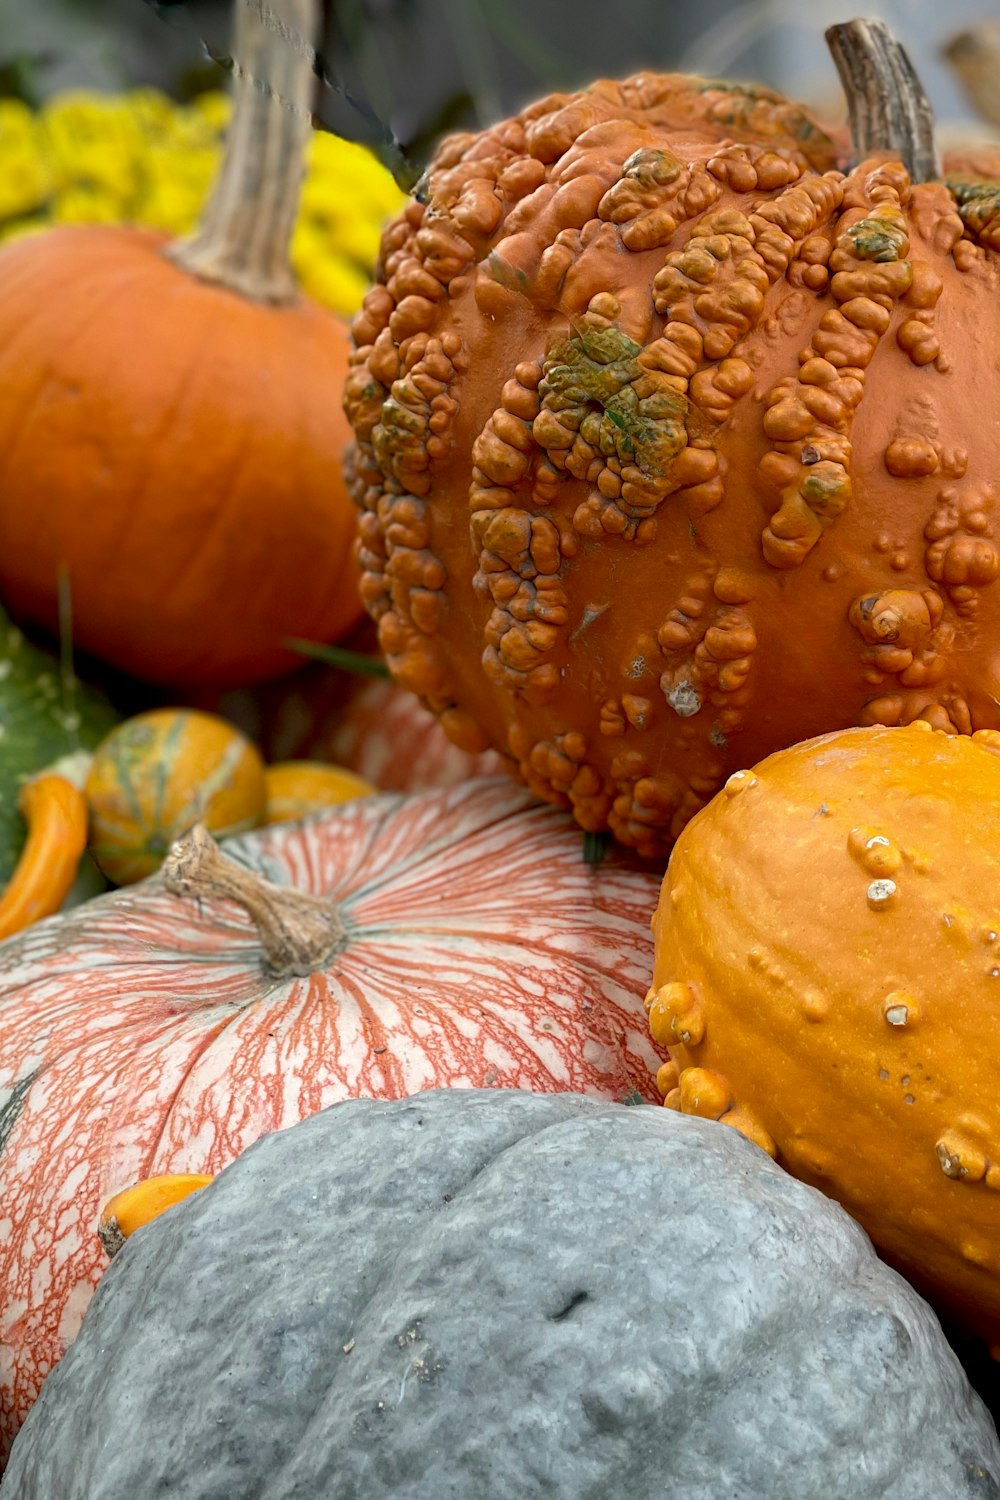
887,106
299,933
244,234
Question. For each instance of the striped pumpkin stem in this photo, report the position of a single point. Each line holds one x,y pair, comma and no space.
887,106
299,932
246,228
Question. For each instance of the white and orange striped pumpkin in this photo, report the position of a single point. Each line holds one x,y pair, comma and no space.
471,945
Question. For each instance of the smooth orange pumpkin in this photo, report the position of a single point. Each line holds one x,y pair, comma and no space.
671,439
158,774
827,979
170,432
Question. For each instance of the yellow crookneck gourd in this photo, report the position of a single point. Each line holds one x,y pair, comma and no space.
54,809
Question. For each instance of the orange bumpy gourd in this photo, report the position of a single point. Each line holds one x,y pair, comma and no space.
827,979
670,440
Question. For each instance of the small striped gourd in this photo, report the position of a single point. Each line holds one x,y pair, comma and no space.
157,775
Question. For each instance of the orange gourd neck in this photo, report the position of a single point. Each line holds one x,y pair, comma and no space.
55,809
299,933
243,239
134,1206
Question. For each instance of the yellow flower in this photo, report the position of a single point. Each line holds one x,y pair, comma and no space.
141,158
213,108
86,204
173,186
324,275
25,184
153,112
87,145
354,173
25,176
18,125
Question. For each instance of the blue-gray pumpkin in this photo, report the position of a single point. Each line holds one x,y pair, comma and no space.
492,1295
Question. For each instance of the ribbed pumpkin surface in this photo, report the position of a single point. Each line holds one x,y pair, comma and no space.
142,1035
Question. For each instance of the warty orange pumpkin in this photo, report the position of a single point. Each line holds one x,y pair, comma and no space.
447,939
672,436
170,432
827,980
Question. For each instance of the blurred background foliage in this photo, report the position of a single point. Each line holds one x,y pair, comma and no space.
414,68
116,110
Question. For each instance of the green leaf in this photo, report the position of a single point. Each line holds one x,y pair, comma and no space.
337,656
595,847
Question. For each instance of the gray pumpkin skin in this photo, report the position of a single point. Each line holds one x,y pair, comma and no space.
504,1296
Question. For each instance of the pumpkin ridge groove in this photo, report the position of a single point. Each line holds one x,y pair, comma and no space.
12,1105
576,1300
149,478
19,428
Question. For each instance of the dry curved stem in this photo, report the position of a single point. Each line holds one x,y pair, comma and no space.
243,239
975,57
887,107
299,933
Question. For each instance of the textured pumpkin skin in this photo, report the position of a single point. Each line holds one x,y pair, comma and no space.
851,1020
512,1297
158,774
208,521
480,950
671,450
